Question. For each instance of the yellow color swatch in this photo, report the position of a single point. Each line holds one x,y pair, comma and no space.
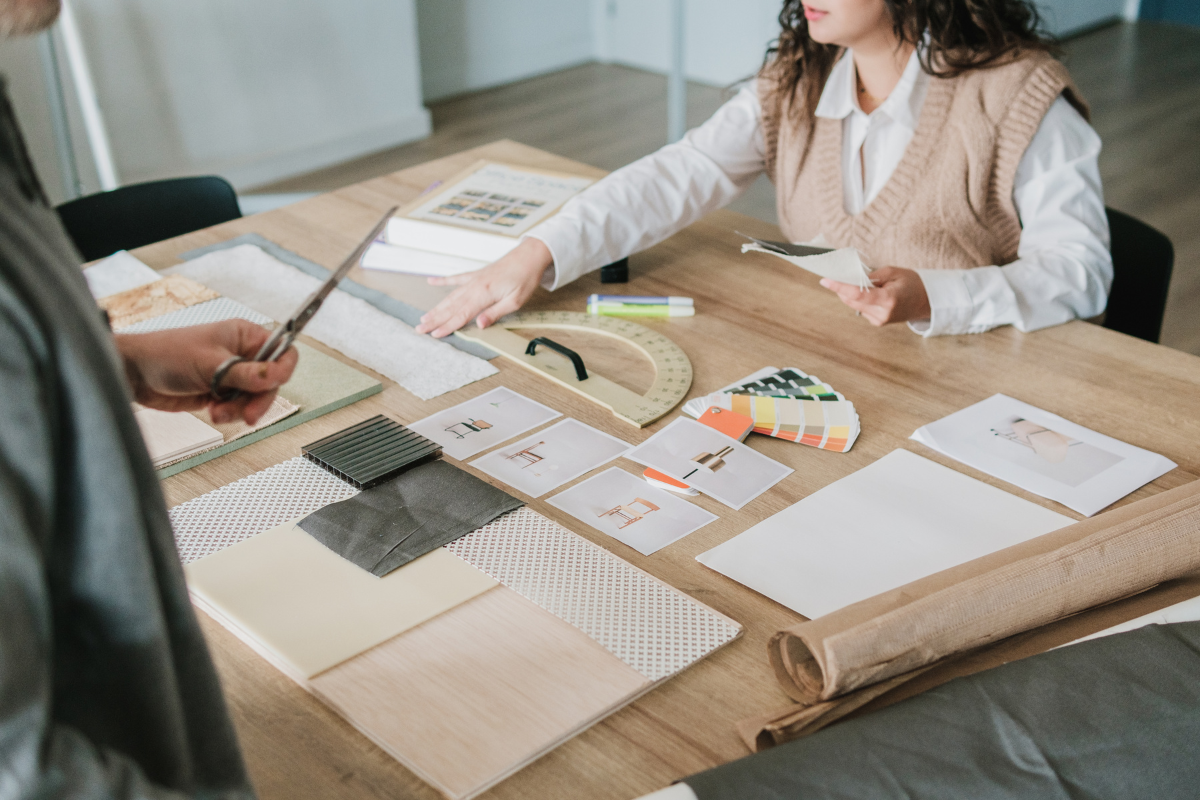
311,609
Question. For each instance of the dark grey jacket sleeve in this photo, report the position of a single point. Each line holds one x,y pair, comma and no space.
39,758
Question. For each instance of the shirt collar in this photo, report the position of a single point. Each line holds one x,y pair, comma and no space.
839,99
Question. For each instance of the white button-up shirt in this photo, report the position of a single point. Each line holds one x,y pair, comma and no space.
1063,270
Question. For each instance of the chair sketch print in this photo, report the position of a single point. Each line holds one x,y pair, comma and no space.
468,427
527,455
629,514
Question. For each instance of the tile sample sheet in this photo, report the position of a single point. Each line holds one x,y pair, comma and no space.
309,609
632,511
172,435
546,460
484,422
721,467
900,519
1044,453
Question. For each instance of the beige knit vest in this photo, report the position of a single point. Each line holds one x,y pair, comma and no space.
949,203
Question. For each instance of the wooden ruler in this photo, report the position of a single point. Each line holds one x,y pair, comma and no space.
673,370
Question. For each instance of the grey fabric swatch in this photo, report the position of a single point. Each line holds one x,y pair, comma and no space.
1115,718
383,528
407,314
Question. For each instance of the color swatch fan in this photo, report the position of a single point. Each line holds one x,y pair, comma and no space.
788,404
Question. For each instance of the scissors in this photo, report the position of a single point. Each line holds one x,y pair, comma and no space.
286,334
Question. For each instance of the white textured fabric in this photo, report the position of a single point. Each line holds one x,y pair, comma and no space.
422,365
217,310
1063,271
118,273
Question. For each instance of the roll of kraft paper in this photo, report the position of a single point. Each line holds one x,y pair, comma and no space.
835,664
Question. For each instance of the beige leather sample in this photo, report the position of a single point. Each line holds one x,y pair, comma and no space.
472,696
308,609
154,299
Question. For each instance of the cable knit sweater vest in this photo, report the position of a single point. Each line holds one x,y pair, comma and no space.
949,203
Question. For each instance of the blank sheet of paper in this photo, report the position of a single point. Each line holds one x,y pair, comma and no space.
312,609
900,519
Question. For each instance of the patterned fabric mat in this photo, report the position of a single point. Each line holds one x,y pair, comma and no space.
201,314
654,628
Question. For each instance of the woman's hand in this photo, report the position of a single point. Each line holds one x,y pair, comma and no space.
172,370
487,295
897,296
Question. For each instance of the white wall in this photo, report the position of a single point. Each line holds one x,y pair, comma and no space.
726,39
468,45
254,90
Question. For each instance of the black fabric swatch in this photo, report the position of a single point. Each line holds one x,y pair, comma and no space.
385,527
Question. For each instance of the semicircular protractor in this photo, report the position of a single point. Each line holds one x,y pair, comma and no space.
672,369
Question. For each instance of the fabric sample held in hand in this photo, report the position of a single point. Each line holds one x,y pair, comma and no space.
384,528
154,299
422,365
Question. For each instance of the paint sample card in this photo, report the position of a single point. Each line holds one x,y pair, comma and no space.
1044,453
484,422
631,511
546,460
896,521
311,609
722,468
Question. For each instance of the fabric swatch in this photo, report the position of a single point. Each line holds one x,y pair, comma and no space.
422,365
118,273
409,315
172,293
310,610
217,310
281,408
386,527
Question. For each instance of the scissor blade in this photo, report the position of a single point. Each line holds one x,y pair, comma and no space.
302,315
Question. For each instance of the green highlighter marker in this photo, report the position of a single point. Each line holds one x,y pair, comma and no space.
640,310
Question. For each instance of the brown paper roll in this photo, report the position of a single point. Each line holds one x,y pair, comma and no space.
836,663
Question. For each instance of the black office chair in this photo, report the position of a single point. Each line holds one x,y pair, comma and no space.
132,216
1142,262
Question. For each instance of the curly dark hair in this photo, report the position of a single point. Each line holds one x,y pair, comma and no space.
963,35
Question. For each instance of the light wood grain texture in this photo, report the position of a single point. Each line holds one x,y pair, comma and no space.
1143,394
479,691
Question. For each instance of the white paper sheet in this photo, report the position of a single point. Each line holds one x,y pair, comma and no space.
118,273
843,265
645,518
744,475
1044,454
393,258
483,422
434,237
896,521
1187,611
544,461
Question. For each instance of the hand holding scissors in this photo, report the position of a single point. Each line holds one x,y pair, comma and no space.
286,333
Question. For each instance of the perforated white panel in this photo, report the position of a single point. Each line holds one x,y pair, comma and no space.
200,314
655,629
649,625
252,505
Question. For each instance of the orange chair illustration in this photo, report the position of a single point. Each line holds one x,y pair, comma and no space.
630,514
470,426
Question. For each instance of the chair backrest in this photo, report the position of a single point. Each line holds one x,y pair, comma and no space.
1142,262
133,216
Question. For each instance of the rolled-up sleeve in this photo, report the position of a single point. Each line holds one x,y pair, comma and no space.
647,201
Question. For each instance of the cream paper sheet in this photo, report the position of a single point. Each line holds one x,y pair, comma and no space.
311,609
843,265
900,519
118,273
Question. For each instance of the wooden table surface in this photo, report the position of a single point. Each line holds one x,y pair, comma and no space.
752,311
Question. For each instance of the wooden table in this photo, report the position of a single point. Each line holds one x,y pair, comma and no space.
753,311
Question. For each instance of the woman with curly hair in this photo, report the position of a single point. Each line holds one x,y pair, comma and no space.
941,138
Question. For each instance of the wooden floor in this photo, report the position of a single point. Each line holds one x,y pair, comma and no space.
1142,80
